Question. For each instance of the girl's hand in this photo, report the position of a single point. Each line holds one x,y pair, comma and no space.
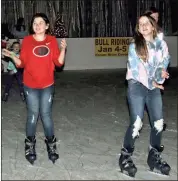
159,86
63,44
6,52
165,74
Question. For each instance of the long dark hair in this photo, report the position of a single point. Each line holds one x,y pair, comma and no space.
140,43
20,24
44,17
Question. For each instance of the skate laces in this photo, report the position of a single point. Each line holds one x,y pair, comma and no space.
52,147
158,157
31,149
123,152
128,161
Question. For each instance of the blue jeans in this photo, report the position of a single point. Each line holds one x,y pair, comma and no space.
39,102
9,81
138,96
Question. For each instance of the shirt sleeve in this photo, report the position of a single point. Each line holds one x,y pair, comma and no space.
163,64
23,53
56,53
133,61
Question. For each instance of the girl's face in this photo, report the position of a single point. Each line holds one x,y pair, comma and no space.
155,16
16,48
145,27
40,26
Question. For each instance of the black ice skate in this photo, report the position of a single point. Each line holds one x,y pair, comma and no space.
156,163
5,97
126,163
51,148
30,153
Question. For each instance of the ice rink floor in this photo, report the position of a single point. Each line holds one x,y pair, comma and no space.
90,117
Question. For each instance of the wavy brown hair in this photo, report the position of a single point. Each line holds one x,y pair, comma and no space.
139,40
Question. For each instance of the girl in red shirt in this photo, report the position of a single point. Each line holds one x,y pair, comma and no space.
39,55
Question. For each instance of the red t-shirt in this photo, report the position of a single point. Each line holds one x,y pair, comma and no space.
38,60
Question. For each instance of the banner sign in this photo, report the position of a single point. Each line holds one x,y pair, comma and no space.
112,46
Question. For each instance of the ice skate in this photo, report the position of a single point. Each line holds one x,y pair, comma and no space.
156,163
51,149
126,163
5,97
30,153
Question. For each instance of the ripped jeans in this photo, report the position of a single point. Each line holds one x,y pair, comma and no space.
138,96
39,102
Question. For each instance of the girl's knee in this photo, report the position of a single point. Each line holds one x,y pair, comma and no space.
136,127
32,117
159,125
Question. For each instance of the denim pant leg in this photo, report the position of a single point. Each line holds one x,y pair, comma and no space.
19,80
136,95
155,111
32,100
9,82
46,100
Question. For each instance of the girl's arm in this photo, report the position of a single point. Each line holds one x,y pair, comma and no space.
133,60
19,61
13,56
62,53
59,55
161,72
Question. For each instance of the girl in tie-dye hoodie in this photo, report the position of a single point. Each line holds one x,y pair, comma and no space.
148,59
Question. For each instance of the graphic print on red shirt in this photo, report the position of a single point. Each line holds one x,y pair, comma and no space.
38,58
41,51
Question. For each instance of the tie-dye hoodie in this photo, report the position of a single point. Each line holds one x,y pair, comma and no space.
151,70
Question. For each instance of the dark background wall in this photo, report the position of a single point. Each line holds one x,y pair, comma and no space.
92,18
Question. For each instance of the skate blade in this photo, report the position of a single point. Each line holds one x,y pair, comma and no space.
53,161
127,174
31,162
158,172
